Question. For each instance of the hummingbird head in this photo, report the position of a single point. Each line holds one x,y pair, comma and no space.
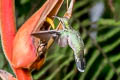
64,21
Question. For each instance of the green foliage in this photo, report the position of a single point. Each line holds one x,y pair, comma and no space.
97,66
60,62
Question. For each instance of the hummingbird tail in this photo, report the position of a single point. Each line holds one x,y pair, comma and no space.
80,64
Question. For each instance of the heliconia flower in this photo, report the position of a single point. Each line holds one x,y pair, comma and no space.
21,49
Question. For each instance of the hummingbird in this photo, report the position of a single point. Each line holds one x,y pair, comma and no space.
68,36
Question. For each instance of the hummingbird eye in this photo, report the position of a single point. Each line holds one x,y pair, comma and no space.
65,21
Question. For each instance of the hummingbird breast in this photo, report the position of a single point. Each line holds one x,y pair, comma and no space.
76,43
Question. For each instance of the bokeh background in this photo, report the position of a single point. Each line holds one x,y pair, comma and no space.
98,22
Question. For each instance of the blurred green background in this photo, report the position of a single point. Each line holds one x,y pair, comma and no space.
99,26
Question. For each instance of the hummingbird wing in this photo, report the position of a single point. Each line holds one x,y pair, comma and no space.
45,35
63,38
63,41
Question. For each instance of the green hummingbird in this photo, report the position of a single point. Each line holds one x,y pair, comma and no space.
68,36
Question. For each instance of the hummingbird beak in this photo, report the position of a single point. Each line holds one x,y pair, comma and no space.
61,20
